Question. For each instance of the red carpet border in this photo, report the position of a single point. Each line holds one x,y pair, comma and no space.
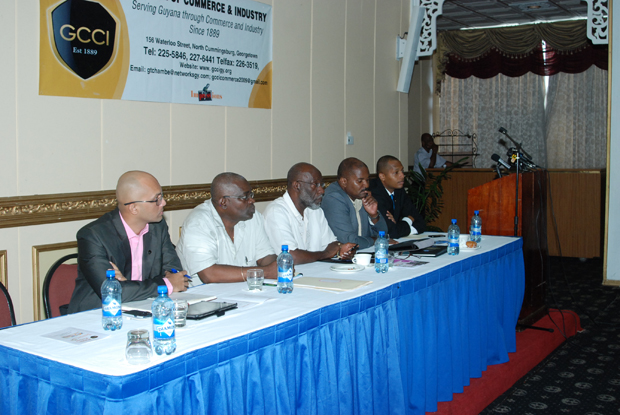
532,347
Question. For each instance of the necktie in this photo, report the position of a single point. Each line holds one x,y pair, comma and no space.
357,205
393,203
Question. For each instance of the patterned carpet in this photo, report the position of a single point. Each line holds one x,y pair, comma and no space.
583,375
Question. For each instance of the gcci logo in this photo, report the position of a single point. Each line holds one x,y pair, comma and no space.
84,36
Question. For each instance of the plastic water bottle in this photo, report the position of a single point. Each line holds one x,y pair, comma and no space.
112,317
453,238
381,254
475,231
285,271
163,322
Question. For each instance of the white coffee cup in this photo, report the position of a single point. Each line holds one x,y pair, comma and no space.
362,259
463,240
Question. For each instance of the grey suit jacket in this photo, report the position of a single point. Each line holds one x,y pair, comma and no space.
105,240
340,214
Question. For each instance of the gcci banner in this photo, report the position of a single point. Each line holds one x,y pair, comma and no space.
181,51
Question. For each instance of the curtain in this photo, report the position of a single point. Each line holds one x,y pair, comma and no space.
514,51
576,127
481,106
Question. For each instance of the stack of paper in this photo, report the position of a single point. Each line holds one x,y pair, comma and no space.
330,284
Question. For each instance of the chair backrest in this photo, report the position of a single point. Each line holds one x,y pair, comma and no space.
58,286
7,313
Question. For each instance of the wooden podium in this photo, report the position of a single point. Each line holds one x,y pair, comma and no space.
496,202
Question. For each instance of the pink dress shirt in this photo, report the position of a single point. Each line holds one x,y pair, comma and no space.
137,251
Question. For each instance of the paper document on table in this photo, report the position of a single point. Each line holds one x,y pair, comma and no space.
408,263
330,284
145,305
76,336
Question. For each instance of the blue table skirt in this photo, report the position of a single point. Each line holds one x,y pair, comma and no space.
399,350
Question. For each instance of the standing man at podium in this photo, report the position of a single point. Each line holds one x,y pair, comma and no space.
428,155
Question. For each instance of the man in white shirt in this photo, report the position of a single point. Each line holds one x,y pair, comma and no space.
224,236
296,219
428,155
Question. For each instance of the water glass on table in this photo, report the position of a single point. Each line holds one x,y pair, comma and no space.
256,278
180,313
138,350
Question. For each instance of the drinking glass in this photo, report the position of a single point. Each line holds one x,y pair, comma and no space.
256,277
138,350
180,313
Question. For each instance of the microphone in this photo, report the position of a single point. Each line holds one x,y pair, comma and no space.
499,160
502,130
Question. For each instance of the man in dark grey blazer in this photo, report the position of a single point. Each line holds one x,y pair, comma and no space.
351,211
134,230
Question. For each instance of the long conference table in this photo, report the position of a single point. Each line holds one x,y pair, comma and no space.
412,338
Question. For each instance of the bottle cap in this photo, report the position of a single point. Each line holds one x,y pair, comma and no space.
285,248
381,234
162,289
454,221
110,273
476,212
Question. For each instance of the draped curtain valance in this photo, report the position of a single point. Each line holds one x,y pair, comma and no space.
514,51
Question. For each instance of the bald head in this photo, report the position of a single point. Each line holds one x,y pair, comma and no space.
301,171
349,165
225,183
134,185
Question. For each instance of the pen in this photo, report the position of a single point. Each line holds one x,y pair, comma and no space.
174,271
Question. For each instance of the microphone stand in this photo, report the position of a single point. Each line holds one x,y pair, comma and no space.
517,163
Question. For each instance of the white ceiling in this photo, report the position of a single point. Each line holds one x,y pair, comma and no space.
459,14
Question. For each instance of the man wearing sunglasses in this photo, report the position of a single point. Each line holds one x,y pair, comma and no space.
296,219
134,241
224,236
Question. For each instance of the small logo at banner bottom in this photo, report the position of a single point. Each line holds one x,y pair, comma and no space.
205,94
84,35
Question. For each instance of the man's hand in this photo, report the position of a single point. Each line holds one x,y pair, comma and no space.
332,249
271,270
178,280
391,217
117,272
392,242
347,250
371,206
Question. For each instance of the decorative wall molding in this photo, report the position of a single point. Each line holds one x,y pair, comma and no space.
66,207
428,37
598,19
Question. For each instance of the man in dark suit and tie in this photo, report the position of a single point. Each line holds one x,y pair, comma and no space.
403,218
134,241
351,211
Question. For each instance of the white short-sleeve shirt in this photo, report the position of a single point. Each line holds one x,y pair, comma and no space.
285,226
204,241
424,157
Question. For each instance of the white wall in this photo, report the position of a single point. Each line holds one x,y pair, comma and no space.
334,71
612,259
421,101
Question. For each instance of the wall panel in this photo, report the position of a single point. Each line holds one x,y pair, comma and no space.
360,73
328,49
292,141
8,98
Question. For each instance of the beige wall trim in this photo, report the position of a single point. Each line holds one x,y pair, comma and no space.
37,278
66,207
4,270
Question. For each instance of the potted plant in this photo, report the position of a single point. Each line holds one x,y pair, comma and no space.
426,191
